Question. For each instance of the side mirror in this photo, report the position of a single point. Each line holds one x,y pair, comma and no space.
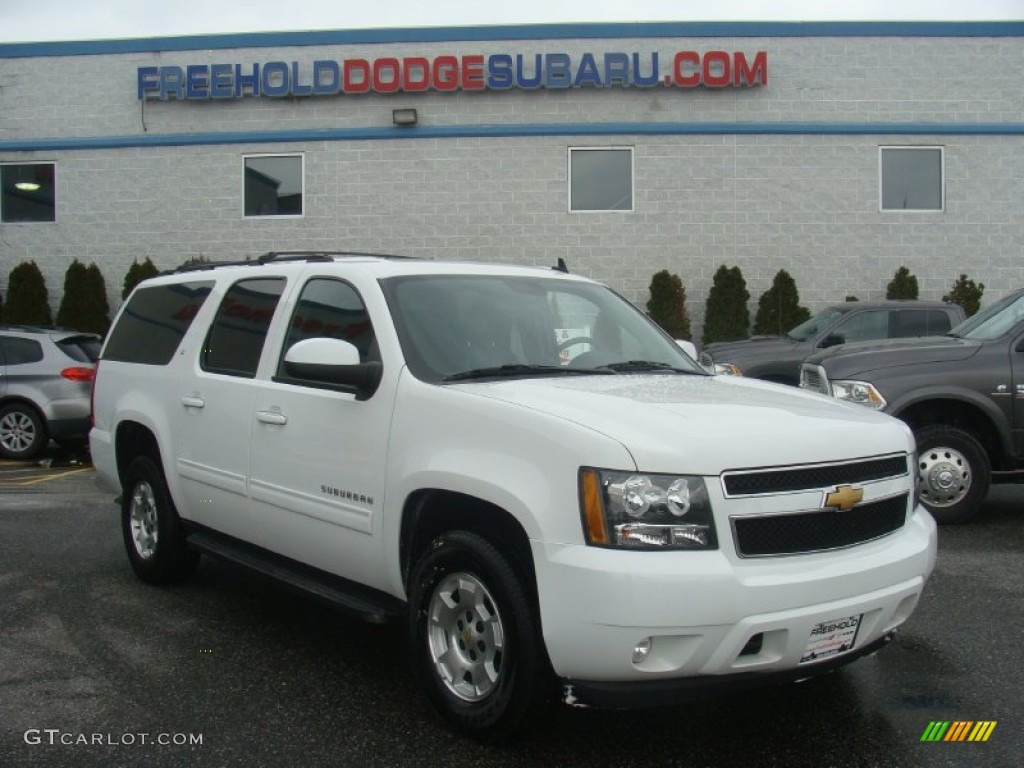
688,347
333,364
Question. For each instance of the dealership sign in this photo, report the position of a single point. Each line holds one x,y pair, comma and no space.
473,72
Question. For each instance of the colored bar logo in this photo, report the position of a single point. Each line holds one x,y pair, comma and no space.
959,730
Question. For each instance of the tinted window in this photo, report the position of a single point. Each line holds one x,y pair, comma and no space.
235,341
332,309
83,349
601,179
273,185
921,322
151,327
18,351
27,192
911,178
864,326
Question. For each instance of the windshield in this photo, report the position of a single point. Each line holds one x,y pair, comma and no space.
460,327
994,321
811,328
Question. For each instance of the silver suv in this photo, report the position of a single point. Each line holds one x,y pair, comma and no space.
45,377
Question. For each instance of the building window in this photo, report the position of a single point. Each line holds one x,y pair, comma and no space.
273,185
27,192
600,179
911,178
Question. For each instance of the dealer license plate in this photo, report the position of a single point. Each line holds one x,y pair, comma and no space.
831,638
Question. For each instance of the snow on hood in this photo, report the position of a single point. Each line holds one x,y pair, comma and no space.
704,424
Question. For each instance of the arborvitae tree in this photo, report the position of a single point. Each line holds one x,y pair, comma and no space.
136,274
902,286
778,309
967,294
28,302
73,304
726,316
97,319
667,305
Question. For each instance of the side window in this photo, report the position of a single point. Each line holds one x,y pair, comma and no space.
921,322
333,309
155,321
17,351
235,341
864,326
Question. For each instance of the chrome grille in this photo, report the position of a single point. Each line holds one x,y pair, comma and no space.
805,478
819,530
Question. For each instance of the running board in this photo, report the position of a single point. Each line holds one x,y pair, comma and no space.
369,604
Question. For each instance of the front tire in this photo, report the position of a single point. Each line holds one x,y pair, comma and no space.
954,473
22,432
475,635
153,534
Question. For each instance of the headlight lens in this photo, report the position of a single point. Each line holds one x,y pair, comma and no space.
859,392
634,510
728,369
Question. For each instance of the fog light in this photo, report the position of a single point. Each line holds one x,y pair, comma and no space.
641,650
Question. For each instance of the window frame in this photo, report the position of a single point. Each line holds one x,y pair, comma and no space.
302,176
942,177
632,179
52,163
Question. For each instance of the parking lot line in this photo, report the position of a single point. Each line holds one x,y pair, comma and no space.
36,479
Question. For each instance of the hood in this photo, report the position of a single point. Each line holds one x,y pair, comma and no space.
852,359
705,424
746,349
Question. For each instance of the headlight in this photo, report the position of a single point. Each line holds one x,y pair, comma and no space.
633,510
728,369
859,392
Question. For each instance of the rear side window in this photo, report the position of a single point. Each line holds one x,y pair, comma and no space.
82,349
18,351
153,324
235,341
921,322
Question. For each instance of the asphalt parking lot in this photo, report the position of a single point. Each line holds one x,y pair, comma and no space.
98,669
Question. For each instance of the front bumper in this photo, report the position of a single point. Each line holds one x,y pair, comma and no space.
712,617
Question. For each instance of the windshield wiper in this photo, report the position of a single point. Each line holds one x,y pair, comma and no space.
520,369
641,366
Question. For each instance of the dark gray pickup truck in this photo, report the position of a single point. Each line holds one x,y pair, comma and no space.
962,394
778,358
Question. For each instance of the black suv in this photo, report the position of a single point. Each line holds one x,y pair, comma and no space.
778,358
962,394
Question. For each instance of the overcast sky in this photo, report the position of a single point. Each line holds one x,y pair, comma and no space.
37,20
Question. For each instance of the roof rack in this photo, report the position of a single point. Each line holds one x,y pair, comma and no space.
280,256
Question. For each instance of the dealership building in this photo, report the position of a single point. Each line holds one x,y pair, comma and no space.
836,151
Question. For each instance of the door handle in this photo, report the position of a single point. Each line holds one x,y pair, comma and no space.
193,401
272,417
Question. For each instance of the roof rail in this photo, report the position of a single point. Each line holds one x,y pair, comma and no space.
325,255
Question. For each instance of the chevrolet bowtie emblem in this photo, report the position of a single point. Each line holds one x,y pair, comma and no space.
843,498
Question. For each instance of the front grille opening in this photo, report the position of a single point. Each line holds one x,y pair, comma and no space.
808,478
754,645
818,530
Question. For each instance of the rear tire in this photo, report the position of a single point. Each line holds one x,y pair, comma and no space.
954,473
22,432
475,635
153,534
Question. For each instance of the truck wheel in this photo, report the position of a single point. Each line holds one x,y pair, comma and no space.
475,639
22,432
152,530
953,473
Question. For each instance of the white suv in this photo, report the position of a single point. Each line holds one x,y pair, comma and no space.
518,462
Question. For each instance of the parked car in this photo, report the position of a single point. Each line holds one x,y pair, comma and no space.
405,439
962,394
778,358
45,377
